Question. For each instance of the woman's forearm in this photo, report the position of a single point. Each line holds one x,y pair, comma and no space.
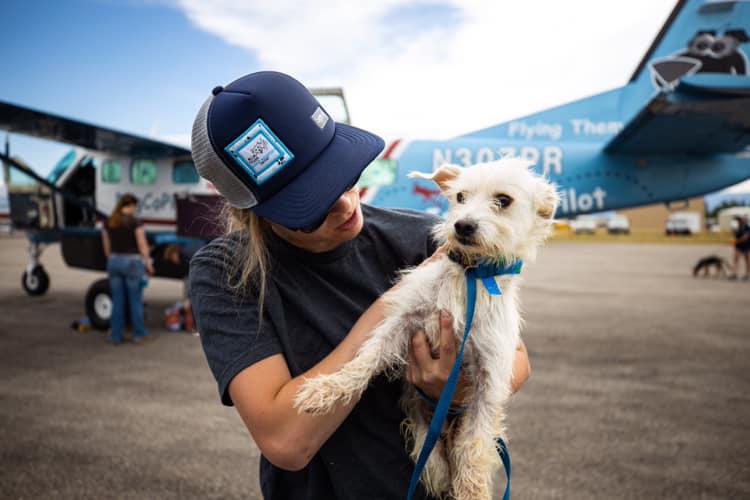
140,238
105,243
290,439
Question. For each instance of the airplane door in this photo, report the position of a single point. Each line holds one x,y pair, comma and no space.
31,204
80,183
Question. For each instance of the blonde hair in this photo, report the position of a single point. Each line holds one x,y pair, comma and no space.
250,264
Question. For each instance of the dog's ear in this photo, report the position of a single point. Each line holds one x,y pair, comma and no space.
442,176
546,199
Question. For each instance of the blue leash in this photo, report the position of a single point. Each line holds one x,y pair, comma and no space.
487,273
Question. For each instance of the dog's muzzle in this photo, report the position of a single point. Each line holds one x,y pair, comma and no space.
465,231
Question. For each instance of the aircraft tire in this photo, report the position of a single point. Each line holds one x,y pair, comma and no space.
35,283
99,304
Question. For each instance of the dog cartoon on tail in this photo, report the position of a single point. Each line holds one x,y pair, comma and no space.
500,213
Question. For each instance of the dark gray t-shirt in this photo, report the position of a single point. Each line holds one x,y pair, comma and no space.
313,301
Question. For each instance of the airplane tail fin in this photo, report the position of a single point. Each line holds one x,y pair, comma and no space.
700,36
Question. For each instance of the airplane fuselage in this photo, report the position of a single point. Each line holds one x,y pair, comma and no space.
588,179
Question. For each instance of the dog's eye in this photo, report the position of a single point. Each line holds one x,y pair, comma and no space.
503,200
460,197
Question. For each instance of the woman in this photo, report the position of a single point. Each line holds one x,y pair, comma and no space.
128,260
741,246
292,290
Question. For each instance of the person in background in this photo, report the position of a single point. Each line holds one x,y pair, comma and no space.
741,245
128,260
180,256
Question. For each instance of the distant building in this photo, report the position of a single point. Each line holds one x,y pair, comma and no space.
654,217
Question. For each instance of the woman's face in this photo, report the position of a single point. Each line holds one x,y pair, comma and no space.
343,223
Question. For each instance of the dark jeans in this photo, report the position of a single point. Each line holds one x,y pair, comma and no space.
126,273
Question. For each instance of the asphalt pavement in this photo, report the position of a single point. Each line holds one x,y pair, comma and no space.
639,388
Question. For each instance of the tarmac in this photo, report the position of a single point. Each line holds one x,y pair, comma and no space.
639,388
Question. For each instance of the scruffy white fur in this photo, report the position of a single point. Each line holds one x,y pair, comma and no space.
464,460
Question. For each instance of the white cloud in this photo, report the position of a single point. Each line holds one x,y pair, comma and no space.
493,61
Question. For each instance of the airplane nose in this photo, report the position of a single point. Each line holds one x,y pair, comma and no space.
465,228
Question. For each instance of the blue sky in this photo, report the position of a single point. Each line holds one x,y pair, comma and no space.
145,66
132,66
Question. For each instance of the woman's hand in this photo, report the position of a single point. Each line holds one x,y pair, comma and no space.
149,267
429,368
521,367
439,252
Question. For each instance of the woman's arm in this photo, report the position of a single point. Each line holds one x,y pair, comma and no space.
264,392
285,437
140,238
105,242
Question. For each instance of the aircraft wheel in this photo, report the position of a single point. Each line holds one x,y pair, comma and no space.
36,282
99,304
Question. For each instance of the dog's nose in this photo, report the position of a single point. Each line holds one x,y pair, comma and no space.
465,228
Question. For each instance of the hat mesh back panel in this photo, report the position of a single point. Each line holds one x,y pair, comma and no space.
210,166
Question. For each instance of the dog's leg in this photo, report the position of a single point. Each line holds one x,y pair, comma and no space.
474,456
436,474
384,349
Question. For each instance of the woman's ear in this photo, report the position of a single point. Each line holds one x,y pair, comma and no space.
442,176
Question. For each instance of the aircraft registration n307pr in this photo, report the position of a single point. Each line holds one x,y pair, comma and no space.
679,128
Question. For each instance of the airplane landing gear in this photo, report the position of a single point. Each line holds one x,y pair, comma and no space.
99,304
35,279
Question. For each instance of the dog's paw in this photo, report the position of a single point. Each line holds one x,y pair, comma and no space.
319,395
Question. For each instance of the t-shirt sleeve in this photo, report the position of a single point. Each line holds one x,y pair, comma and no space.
227,323
418,226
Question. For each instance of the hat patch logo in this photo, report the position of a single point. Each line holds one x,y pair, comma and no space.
259,152
320,117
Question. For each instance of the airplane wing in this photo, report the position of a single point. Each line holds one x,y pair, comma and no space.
704,114
14,118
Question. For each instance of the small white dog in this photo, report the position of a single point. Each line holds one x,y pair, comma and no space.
499,211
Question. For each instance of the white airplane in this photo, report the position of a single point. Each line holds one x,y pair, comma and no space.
69,205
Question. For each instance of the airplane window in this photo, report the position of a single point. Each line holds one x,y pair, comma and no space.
143,172
379,173
184,172
61,166
111,171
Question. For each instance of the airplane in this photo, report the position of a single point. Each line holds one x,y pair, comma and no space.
680,128
176,205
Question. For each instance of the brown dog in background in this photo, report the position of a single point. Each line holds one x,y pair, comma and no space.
712,265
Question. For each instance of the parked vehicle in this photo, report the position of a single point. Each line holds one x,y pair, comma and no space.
683,223
583,225
618,224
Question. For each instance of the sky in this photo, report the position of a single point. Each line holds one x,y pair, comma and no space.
415,69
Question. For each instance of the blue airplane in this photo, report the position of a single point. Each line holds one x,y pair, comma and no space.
680,128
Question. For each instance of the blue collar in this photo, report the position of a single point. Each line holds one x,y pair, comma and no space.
487,271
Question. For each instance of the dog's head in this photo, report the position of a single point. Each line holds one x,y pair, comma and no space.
497,209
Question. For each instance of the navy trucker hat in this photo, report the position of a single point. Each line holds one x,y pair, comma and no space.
267,144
